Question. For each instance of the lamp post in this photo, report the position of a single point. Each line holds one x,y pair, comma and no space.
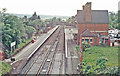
25,22
81,50
25,35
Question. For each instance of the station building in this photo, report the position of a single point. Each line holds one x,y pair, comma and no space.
93,25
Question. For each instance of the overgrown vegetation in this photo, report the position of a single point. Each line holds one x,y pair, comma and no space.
85,46
99,68
100,60
4,67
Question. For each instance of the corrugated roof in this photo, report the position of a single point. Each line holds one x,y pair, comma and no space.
87,33
97,16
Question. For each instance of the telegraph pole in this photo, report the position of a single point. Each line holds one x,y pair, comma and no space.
25,35
25,21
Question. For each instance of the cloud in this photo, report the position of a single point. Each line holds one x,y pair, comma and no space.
55,7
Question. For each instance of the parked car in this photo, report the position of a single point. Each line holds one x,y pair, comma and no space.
33,40
118,36
113,39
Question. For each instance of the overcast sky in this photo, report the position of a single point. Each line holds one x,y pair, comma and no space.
55,7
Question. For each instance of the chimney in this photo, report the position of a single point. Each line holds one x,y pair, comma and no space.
88,12
83,7
88,6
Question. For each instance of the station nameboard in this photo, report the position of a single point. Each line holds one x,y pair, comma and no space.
13,43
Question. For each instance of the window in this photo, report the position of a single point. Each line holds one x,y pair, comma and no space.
100,41
87,40
82,40
106,41
99,35
90,40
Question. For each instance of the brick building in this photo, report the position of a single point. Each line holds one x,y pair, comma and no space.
96,21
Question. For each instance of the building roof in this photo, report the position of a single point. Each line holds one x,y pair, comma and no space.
87,33
34,17
97,16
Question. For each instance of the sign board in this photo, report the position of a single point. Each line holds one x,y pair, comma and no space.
13,43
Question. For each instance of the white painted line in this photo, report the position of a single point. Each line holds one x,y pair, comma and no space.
66,47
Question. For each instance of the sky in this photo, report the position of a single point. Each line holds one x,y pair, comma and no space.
55,7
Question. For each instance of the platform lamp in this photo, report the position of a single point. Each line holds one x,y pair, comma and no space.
25,22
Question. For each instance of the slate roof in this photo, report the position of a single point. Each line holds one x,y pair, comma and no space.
97,16
87,33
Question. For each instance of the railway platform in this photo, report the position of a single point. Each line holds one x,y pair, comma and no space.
29,50
72,58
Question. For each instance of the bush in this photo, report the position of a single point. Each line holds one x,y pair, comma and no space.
85,45
99,68
5,67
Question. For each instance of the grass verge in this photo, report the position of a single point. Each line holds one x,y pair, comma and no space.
92,54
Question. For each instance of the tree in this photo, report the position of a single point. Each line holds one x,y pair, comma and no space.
30,30
113,20
4,9
71,21
11,30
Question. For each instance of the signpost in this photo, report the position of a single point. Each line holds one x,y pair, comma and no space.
13,44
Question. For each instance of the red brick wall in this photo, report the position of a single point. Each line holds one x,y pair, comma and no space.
95,41
92,27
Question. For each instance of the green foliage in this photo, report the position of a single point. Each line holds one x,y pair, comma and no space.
10,32
111,53
85,69
85,45
5,67
77,49
30,30
99,68
113,20
101,59
113,70
13,30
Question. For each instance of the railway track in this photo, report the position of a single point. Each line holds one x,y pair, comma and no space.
42,62
49,61
58,64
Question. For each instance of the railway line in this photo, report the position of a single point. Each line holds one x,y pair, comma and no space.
43,60
59,59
